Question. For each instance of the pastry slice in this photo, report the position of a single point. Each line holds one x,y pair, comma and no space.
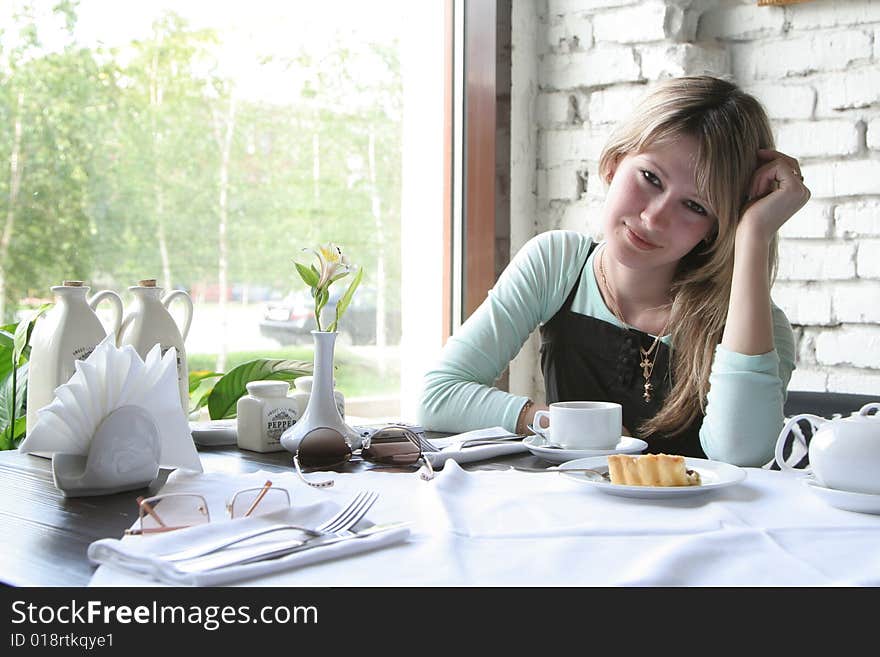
651,470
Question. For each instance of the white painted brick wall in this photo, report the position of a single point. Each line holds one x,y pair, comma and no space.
857,382
562,7
857,218
559,146
833,13
872,133
858,346
843,178
560,109
801,260
738,22
804,303
570,34
858,88
811,221
645,22
785,101
857,302
811,380
780,58
868,263
606,106
816,68
605,64
673,60
818,138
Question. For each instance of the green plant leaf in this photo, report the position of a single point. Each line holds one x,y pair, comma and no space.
23,332
6,412
197,376
232,385
310,276
346,298
7,346
202,401
18,429
321,298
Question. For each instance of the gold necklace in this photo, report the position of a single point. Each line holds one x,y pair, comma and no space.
647,364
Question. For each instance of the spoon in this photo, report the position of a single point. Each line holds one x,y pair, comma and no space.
592,475
543,436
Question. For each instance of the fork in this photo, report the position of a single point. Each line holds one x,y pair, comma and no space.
425,444
343,520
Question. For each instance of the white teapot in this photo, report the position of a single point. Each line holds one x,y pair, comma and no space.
844,453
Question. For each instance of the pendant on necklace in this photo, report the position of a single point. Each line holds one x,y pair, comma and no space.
648,388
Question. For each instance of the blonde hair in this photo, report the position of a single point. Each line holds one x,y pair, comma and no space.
730,126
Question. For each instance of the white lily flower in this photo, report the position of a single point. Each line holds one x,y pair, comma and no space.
333,263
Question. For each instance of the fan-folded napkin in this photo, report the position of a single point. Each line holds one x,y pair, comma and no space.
110,378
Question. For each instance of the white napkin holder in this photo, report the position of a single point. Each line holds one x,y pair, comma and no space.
115,423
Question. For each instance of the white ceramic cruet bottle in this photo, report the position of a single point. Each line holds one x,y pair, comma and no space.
149,323
69,332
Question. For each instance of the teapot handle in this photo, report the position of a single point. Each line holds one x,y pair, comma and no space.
872,406
791,427
117,305
188,309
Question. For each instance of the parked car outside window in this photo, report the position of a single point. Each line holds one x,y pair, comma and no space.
290,320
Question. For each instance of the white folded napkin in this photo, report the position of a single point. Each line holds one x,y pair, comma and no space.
449,451
139,554
110,378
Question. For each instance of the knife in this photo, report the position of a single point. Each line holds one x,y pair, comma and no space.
276,549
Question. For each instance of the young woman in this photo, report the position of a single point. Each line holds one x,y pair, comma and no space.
670,315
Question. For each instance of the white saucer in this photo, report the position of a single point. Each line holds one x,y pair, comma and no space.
714,475
843,499
539,446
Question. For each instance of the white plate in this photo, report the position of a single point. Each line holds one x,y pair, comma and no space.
213,433
713,474
538,446
846,500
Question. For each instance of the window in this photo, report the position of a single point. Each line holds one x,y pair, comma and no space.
204,144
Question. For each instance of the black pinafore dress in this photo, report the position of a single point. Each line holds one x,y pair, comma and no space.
584,358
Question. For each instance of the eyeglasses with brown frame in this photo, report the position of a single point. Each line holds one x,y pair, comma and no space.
172,511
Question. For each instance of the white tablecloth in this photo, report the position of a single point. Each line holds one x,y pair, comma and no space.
507,528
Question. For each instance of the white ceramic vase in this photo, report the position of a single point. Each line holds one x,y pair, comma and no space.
321,410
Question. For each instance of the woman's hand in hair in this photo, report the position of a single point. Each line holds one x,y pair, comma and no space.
776,192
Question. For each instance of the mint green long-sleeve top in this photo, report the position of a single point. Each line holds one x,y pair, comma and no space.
747,392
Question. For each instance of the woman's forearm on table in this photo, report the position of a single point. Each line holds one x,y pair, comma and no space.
744,410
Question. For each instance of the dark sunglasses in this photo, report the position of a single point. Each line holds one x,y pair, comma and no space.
324,448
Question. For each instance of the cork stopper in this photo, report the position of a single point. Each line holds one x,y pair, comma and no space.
147,282
72,283
766,3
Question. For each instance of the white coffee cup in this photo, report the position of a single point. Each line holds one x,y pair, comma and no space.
582,424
